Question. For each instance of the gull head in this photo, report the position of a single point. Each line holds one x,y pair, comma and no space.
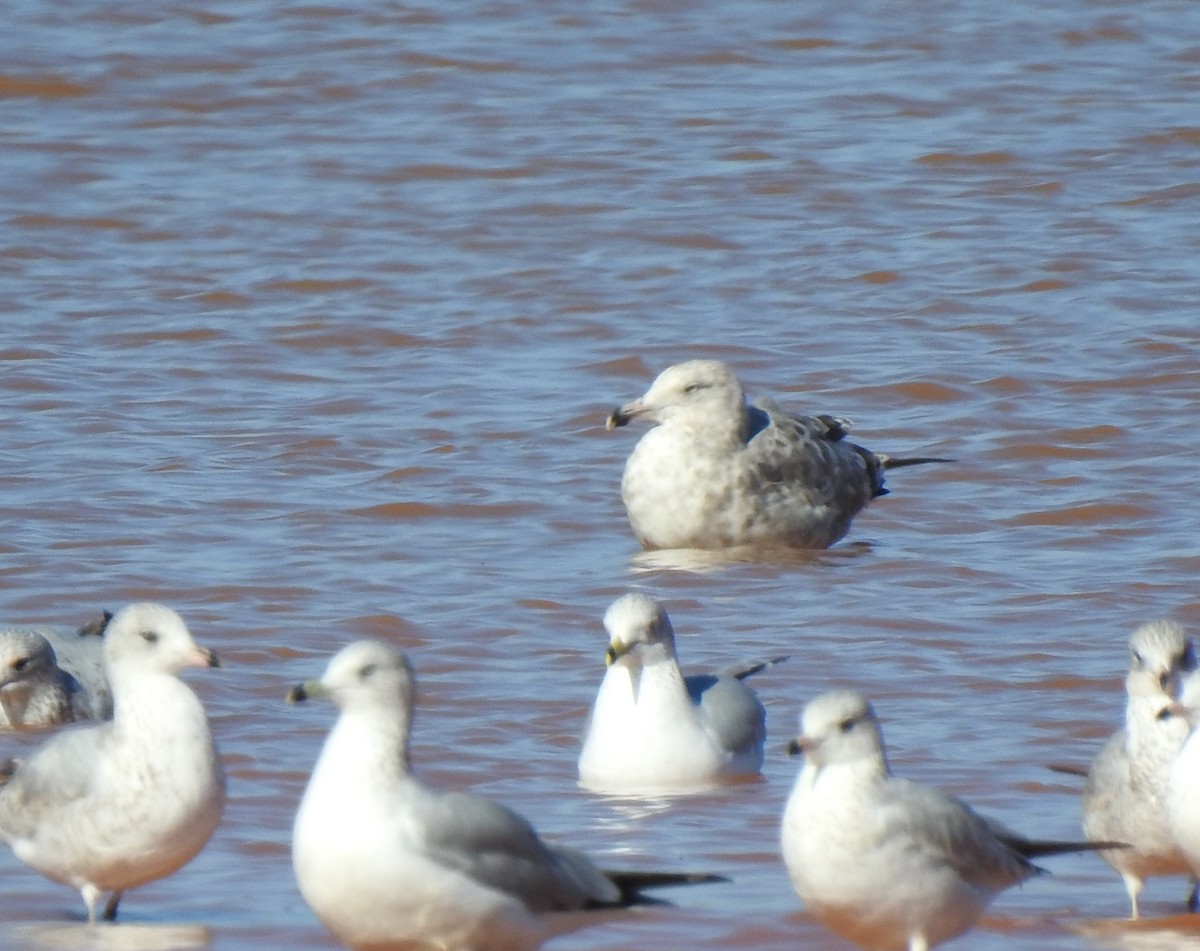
701,393
638,630
1160,656
838,727
152,637
362,675
25,656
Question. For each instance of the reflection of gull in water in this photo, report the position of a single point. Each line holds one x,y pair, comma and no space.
716,473
50,676
124,937
386,861
1124,797
1173,933
888,863
704,560
652,729
110,806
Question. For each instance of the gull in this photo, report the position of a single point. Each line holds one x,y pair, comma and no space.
654,730
1183,781
1124,796
386,861
716,473
50,676
890,864
109,806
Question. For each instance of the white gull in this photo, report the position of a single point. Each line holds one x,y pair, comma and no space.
653,730
1183,781
386,861
890,864
110,806
1124,796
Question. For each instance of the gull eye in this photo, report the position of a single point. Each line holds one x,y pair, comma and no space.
20,663
847,725
367,671
150,637
1165,714
695,387
1137,659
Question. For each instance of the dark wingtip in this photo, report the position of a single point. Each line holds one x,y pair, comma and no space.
836,428
892,463
760,666
1033,848
1068,769
96,628
614,419
632,884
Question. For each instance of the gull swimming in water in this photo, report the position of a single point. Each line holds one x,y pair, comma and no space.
654,730
386,861
50,676
890,864
716,473
1124,797
110,806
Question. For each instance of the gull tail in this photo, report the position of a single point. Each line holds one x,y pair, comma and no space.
1034,848
632,885
1068,769
891,462
880,462
741,673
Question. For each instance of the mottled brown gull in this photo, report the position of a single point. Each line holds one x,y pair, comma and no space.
716,473
652,730
887,863
386,861
51,675
110,806
1124,797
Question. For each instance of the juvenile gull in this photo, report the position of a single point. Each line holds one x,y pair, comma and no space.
110,806
716,473
890,864
654,730
386,861
50,676
1124,797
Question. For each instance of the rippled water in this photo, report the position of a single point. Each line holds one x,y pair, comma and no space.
313,313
